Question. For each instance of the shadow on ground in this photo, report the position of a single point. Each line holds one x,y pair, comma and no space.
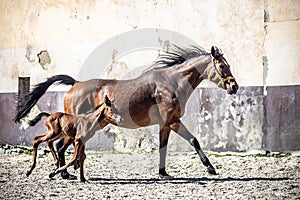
200,181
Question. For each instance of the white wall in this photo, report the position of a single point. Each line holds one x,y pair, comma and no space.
70,31
282,42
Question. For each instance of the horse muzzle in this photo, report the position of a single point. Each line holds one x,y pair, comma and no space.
119,120
231,87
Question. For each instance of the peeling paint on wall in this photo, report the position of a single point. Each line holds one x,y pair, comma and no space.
282,118
220,122
138,140
231,122
117,68
44,58
29,55
265,65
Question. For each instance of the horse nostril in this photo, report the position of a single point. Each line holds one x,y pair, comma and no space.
121,120
234,88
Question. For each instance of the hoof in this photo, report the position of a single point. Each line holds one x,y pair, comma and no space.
83,180
28,173
66,175
76,165
211,170
51,175
166,177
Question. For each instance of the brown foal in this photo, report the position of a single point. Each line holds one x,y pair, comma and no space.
78,128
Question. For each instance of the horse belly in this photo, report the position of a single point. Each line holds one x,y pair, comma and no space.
134,118
137,107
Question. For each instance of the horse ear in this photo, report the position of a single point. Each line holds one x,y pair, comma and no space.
107,101
215,51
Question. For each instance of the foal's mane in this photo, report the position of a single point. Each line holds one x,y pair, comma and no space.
98,106
177,55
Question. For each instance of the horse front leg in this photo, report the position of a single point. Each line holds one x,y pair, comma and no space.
164,134
77,148
61,147
181,130
81,159
77,163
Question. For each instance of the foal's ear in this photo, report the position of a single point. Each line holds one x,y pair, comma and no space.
215,52
107,101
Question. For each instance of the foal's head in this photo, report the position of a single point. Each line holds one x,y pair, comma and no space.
220,72
109,113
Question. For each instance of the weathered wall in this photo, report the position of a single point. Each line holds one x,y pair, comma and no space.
243,122
70,31
245,30
220,122
282,42
260,40
282,67
12,133
231,122
282,118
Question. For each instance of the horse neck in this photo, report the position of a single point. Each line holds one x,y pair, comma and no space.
195,70
94,117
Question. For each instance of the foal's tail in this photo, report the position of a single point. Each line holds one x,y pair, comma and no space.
38,118
25,104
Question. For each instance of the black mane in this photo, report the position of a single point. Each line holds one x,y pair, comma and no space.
177,55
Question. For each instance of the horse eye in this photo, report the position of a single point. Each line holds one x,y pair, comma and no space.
221,66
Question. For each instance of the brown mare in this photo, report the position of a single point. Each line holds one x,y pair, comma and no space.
158,96
77,128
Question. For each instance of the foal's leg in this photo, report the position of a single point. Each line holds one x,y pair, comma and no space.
77,163
61,147
78,146
179,128
50,145
164,134
38,140
82,158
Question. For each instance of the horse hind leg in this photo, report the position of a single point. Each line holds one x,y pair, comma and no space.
180,129
78,145
37,140
50,145
61,147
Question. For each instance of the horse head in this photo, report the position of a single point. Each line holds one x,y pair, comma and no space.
110,112
223,76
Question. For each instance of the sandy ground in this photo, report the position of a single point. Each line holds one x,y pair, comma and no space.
134,176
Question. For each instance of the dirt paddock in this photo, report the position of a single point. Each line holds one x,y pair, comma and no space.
135,176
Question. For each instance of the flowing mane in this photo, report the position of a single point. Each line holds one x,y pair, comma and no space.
177,55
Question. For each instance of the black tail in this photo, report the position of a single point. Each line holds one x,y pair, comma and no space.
25,104
38,118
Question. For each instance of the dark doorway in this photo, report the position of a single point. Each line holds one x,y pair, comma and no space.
24,86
